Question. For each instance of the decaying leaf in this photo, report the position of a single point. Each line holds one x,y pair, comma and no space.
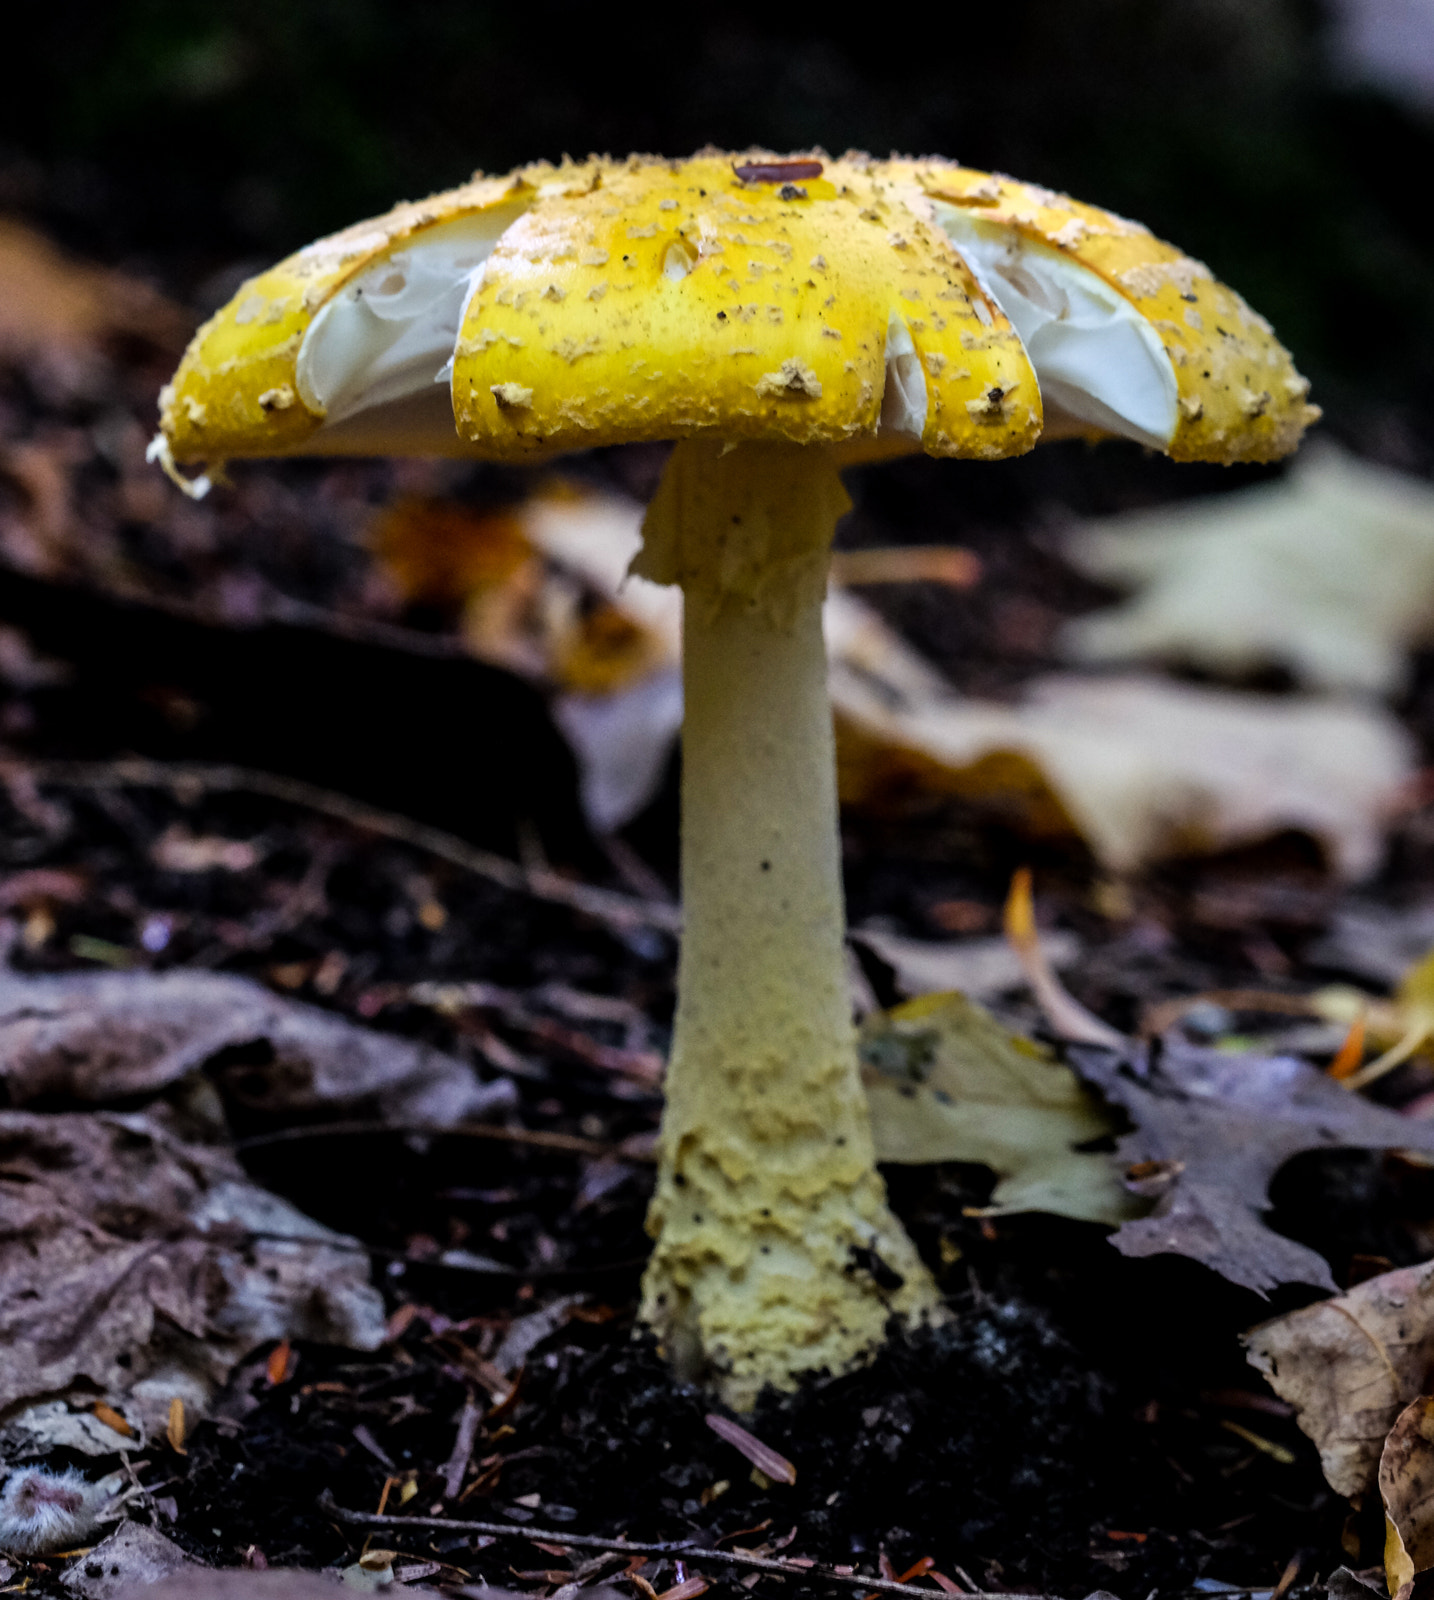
1328,572
54,1425
1350,1365
1406,1485
1211,1130
1140,768
945,1082
143,1266
95,1037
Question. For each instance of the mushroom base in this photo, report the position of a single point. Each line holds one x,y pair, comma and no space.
776,1254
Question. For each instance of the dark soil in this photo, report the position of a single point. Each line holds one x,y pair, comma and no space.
1084,1421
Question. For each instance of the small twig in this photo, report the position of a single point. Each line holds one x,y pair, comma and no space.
639,1547
606,905
1067,1017
448,1261
457,1463
537,1138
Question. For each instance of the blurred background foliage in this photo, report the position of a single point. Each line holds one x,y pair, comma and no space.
198,141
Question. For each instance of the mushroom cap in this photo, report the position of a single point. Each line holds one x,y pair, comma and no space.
902,304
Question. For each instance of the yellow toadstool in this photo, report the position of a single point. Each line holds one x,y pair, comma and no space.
780,318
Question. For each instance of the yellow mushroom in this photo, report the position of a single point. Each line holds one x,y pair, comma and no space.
779,317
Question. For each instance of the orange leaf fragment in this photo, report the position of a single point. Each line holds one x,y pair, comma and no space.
175,1428
1350,1056
440,550
112,1419
279,1364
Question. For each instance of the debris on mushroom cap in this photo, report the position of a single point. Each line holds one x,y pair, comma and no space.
896,304
678,298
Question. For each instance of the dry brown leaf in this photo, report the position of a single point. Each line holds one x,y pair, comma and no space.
94,1037
1406,1485
1350,1365
175,1428
1211,1130
762,1456
130,1259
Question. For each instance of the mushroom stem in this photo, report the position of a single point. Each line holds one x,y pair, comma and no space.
776,1253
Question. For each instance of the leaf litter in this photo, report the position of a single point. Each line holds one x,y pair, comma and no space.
1139,768
1078,1475
140,1266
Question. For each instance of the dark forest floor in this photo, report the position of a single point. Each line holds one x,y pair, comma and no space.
1070,1430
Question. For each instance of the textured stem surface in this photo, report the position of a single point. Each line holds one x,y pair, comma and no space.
775,1253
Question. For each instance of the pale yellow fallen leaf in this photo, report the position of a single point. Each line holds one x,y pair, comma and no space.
945,1082
1141,768
1327,572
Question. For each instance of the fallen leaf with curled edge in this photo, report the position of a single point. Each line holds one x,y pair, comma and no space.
1327,572
1350,1365
1141,768
1210,1131
945,1082
1406,1486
